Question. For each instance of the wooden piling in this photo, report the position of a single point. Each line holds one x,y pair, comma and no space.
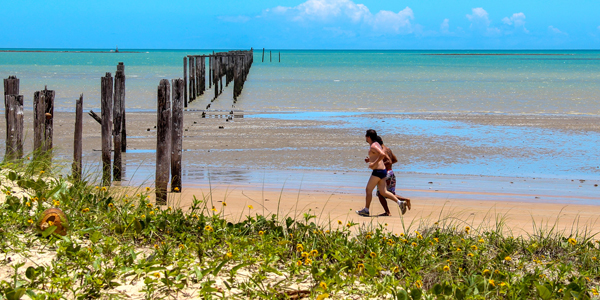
106,98
78,140
279,56
39,122
163,142
210,71
11,87
14,121
198,75
49,121
216,76
202,75
120,83
192,79
263,59
270,56
185,83
117,124
176,135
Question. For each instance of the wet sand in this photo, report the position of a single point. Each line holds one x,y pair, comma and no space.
322,161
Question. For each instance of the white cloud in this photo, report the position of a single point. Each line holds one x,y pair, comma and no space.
517,20
386,20
480,22
445,26
479,18
555,30
335,10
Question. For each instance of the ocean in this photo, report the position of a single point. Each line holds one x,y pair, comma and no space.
539,82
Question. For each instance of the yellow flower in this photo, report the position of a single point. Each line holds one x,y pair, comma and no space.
348,225
481,240
595,292
169,208
401,234
50,223
261,232
229,255
367,236
176,189
147,189
436,240
142,216
55,202
97,187
417,232
413,244
149,205
151,212
30,221
299,248
594,258
491,282
588,279
339,222
314,253
418,284
323,285
473,247
496,272
299,263
250,207
396,269
573,241
502,283
467,229
305,254
224,203
157,275
42,172
156,246
35,199
486,271
90,249
85,210
132,205
181,246
420,237
110,205
508,258
360,266
470,255
446,268
458,250
104,189
208,228
28,204
308,261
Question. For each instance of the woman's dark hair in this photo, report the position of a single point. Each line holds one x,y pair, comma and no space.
379,140
372,134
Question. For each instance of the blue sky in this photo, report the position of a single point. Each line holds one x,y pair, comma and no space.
301,24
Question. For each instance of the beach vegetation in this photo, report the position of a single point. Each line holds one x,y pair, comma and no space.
120,246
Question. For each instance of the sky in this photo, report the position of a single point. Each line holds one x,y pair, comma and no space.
301,24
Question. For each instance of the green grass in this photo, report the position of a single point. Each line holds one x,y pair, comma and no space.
117,240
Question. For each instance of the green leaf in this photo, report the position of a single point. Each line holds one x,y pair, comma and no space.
236,268
402,295
543,292
370,270
15,294
138,226
95,237
12,176
50,230
437,289
416,294
30,273
218,268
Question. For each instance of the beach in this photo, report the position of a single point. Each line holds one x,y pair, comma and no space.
301,162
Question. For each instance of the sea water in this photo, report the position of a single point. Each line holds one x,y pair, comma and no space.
515,82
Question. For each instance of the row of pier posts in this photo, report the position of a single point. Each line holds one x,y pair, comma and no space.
233,65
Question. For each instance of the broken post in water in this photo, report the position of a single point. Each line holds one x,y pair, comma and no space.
11,87
78,140
120,93
39,121
14,122
163,142
106,98
48,120
176,135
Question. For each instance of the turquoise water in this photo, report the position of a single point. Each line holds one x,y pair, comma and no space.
563,82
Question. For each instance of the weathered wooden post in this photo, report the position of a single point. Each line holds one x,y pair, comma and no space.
279,56
176,135
263,59
117,123
14,133
49,120
198,75
106,97
216,75
210,71
202,75
78,140
163,142
11,87
185,82
39,122
192,77
120,83
270,56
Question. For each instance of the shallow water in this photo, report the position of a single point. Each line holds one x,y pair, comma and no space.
564,82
